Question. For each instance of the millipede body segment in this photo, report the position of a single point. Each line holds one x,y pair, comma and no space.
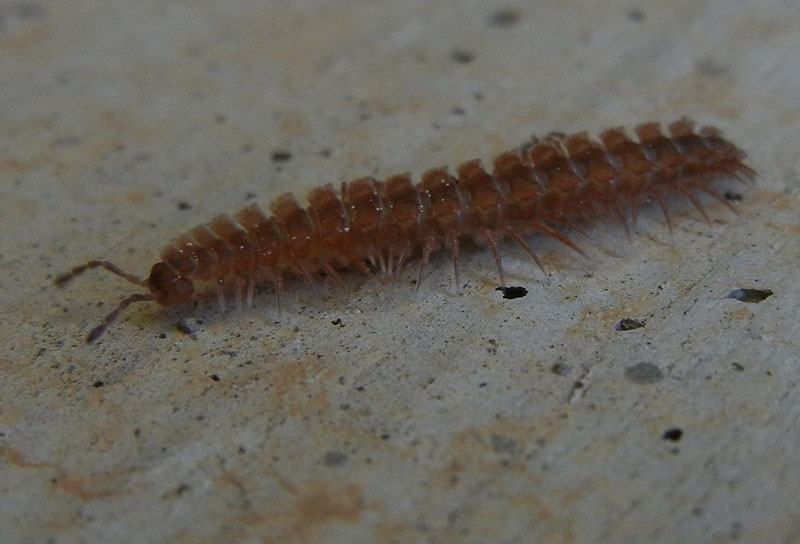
548,186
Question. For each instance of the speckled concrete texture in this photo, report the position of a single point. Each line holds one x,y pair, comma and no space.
374,415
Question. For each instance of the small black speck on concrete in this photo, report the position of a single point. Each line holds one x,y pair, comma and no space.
504,444
504,17
511,293
644,373
673,435
335,458
280,155
628,324
183,205
710,67
215,377
27,10
732,195
181,489
98,383
750,295
636,15
462,56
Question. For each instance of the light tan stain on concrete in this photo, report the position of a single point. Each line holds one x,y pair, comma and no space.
78,485
66,155
305,517
304,374
26,27
741,314
87,488
294,124
16,210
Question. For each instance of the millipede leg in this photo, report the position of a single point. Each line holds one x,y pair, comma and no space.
400,261
696,203
251,288
337,279
716,195
541,227
743,173
576,228
454,253
665,210
363,268
518,238
221,295
492,241
634,213
427,249
382,262
278,284
623,218
306,275
239,284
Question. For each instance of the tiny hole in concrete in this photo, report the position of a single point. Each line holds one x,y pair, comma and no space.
750,295
512,292
629,324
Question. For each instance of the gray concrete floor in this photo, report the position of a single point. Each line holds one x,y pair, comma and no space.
374,416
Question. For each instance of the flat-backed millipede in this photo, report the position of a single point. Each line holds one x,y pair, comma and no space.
545,186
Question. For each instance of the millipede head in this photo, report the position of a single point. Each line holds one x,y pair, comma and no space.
167,287
164,284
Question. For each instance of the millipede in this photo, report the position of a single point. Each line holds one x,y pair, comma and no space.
550,186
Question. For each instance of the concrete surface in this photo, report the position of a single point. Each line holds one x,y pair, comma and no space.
374,416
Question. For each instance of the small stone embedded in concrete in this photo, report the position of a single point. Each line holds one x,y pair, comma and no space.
644,373
561,369
187,325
